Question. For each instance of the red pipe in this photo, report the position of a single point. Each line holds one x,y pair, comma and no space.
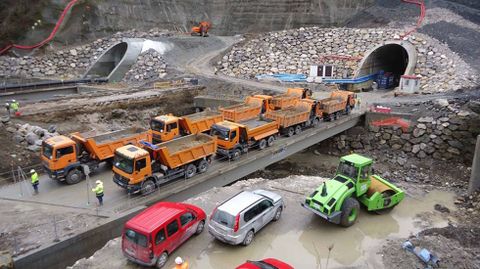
420,19
49,38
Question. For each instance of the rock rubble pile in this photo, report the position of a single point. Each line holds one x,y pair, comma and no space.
294,51
30,136
66,63
448,132
150,65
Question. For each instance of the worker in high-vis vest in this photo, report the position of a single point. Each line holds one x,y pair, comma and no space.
35,181
180,263
98,190
14,106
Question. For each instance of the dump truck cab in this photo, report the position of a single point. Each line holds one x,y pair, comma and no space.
58,155
337,200
230,136
234,138
131,166
164,128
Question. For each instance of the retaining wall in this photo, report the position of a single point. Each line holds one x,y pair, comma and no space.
68,251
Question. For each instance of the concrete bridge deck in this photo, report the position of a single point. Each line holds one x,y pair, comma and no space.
220,173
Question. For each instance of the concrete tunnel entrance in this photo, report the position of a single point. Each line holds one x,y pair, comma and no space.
396,57
115,62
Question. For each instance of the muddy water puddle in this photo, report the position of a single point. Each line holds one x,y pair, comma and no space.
302,239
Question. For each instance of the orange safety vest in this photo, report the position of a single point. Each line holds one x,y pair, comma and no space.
184,265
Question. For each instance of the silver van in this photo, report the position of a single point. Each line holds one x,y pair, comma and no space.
236,220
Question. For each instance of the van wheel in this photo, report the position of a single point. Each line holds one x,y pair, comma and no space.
278,214
270,141
74,176
191,170
202,166
248,238
200,227
298,129
162,260
262,144
148,187
236,154
291,131
350,210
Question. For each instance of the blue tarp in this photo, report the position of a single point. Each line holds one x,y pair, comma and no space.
303,78
285,77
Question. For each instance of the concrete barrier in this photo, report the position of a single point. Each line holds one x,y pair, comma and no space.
68,251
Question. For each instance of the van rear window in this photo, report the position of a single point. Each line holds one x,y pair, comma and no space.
136,237
224,218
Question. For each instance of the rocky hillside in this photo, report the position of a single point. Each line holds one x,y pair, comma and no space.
294,51
96,18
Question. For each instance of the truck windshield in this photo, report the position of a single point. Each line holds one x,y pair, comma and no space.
47,150
157,125
347,169
219,132
136,237
123,163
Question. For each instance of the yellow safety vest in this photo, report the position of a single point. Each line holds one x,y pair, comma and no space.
98,190
34,178
14,106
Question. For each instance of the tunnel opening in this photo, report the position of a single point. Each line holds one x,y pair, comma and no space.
389,62
107,62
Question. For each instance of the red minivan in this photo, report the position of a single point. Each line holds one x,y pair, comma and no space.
149,237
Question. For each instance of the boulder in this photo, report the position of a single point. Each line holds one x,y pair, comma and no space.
31,138
441,103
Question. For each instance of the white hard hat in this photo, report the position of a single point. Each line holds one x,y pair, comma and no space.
178,260
98,182
13,100
32,171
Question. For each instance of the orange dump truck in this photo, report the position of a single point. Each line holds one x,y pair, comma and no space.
289,98
233,138
250,109
339,102
167,127
143,169
293,119
63,156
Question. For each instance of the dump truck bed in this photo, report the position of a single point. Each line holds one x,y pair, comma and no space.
184,150
259,128
248,110
201,121
291,115
283,101
103,146
332,105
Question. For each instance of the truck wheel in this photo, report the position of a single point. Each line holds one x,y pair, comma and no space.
148,187
190,171
291,131
202,166
74,176
236,154
162,260
350,210
298,129
315,122
270,141
262,144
